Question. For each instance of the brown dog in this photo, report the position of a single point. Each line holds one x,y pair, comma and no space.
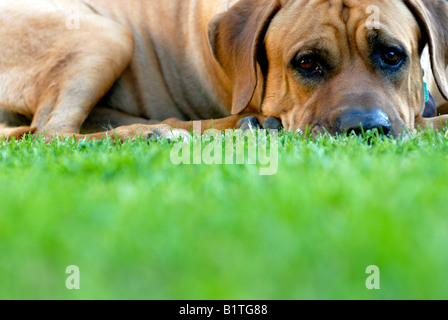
140,65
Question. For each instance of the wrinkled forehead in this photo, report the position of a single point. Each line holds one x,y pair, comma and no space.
339,23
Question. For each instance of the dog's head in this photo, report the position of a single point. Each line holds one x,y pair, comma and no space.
336,65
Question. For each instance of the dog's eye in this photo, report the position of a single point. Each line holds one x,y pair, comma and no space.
309,65
391,57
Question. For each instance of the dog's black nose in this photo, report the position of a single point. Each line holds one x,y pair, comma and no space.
359,121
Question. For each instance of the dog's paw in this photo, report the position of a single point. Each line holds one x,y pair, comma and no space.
166,132
273,123
249,123
252,123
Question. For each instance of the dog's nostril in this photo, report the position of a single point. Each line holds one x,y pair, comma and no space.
360,121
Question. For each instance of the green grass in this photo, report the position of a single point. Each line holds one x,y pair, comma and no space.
140,227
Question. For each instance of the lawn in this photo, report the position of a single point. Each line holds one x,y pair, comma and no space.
140,227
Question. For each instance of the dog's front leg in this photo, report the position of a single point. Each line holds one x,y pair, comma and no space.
242,121
174,129
438,123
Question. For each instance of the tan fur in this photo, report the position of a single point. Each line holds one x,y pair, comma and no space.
140,65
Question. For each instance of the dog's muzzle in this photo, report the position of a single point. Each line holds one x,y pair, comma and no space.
359,121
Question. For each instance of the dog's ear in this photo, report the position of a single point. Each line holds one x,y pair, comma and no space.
433,17
235,37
